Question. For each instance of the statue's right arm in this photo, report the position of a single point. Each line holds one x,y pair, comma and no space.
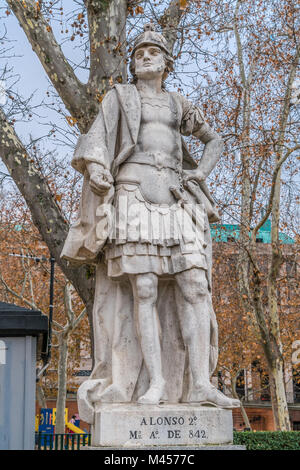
91,153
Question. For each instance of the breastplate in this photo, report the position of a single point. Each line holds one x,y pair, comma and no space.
159,140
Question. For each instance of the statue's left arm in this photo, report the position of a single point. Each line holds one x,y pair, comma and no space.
194,123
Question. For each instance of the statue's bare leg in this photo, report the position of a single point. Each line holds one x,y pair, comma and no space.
145,296
194,316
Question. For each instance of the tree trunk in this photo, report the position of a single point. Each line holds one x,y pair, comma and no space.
245,416
272,350
62,383
276,366
243,411
40,396
278,394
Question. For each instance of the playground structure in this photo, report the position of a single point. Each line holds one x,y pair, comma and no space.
47,439
74,429
46,420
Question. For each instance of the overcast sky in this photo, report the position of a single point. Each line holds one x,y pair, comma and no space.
33,80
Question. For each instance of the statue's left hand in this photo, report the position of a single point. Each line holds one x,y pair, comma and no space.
196,175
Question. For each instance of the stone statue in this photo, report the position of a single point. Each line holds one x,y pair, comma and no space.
144,222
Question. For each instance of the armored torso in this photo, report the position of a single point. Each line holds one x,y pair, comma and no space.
157,158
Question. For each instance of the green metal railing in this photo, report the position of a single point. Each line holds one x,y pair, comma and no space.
46,441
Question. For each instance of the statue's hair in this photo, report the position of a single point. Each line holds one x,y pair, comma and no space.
169,62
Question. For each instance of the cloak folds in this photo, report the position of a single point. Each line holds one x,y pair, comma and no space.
119,374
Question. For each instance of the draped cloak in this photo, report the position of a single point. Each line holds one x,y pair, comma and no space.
119,374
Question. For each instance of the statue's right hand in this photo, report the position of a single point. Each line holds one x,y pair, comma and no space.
100,179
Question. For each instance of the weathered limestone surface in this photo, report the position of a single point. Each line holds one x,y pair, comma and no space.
133,426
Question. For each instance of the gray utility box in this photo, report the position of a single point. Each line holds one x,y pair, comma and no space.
23,340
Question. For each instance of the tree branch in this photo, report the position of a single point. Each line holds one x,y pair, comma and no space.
46,214
255,185
272,193
169,22
43,42
79,318
57,325
287,99
107,30
68,303
15,294
239,46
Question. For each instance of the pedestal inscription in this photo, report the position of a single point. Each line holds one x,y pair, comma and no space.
165,425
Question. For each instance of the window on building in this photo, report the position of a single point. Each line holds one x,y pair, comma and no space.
263,383
83,373
240,384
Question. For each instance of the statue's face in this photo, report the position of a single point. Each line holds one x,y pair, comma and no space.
149,62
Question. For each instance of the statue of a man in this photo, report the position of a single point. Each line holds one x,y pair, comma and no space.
155,329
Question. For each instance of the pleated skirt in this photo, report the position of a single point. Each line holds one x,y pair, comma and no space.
157,238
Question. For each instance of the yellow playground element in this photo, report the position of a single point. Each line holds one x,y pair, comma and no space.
69,426
54,416
74,428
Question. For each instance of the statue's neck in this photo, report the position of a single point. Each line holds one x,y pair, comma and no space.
150,87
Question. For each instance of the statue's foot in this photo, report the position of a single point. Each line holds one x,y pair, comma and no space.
154,395
209,395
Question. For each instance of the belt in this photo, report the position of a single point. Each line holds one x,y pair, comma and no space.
155,159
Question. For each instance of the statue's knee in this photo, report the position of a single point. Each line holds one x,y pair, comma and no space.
195,291
201,287
146,288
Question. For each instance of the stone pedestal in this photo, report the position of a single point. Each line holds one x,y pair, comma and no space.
136,426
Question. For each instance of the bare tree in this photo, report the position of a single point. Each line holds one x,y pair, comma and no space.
214,39
253,85
62,332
